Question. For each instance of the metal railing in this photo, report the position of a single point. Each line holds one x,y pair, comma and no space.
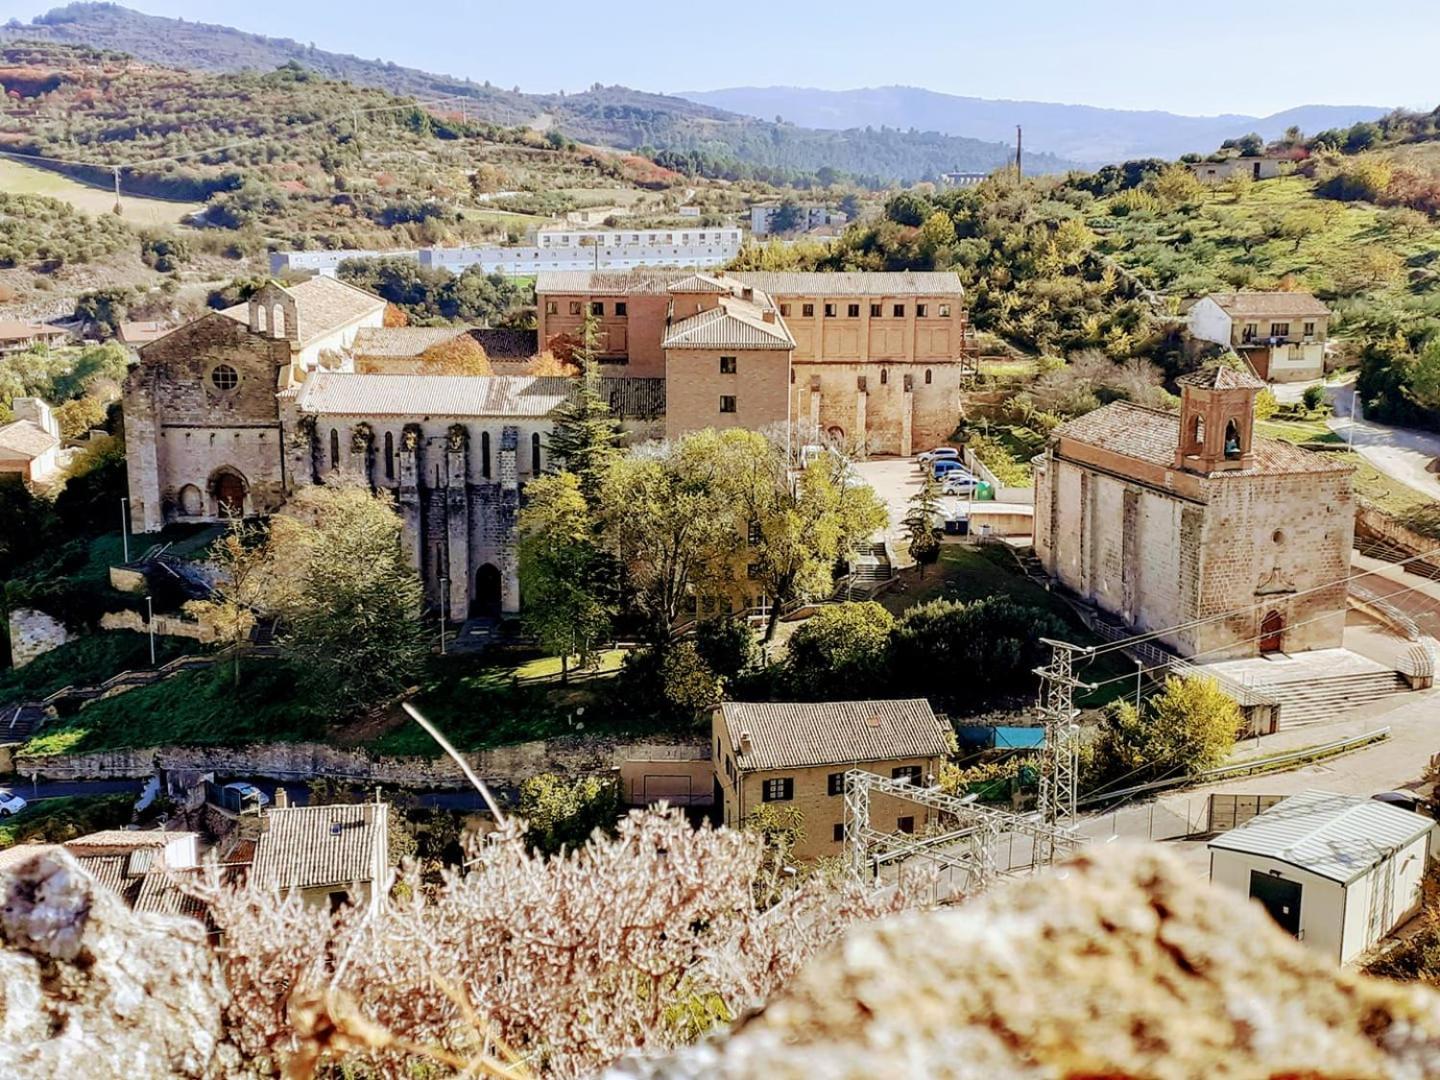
1160,663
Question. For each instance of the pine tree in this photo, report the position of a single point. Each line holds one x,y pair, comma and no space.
586,437
920,523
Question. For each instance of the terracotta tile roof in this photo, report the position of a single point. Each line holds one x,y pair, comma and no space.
306,847
1221,378
619,282
322,306
733,324
19,853
161,892
1152,436
109,870
856,283
347,394
633,398
20,330
125,839
1241,304
25,440
138,333
699,283
788,735
399,342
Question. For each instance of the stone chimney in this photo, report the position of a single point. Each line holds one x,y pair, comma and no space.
745,744
769,316
282,798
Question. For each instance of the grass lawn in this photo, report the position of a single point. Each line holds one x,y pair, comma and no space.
136,209
967,573
193,708
57,820
86,661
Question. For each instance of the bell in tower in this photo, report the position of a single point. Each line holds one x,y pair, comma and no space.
1217,420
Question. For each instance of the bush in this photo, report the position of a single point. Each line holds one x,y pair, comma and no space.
727,646
1313,397
1187,728
56,820
840,651
1266,404
563,813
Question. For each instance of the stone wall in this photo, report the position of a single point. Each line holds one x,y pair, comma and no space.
1375,523
165,625
505,766
33,633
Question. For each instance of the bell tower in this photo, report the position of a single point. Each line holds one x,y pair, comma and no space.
1217,420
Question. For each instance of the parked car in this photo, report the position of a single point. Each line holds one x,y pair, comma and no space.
1405,800
240,797
943,467
959,483
940,453
10,803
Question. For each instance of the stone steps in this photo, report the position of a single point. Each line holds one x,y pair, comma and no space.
1316,700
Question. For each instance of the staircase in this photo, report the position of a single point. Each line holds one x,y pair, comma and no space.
870,571
1315,700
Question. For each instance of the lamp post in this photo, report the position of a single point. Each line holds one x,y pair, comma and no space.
444,592
150,626
1139,673
125,527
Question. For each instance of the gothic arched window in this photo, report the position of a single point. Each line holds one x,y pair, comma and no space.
485,454
535,453
389,456
334,449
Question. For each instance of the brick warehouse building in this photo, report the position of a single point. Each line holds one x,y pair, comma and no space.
876,360
1161,518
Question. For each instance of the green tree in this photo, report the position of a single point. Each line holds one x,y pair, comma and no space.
563,813
349,598
919,523
840,651
908,208
585,436
562,571
242,587
787,216
1313,397
850,206
727,645
687,682
1189,727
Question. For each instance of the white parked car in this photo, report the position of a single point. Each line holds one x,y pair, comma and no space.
10,803
959,483
940,453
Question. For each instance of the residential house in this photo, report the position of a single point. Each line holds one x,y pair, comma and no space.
142,332
1280,334
30,444
144,867
1339,872
1261,167
789,754
762,218
329,855
17,335
1189,525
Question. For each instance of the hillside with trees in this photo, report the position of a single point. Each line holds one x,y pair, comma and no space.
611,116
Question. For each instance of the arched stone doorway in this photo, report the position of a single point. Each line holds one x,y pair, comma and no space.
229,488
1272,633
486,604
836,434
192,502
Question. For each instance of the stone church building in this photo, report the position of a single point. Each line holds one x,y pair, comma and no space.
1187,524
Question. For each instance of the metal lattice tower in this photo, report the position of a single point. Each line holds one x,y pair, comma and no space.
1060,764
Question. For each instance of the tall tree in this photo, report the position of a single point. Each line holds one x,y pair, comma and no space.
243,588
563,574
585,436
920,523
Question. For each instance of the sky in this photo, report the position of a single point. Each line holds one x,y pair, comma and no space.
1221,56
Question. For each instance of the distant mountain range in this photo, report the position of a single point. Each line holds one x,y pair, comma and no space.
1078,132
613,116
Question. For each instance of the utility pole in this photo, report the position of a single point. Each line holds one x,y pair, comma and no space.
125,528
1059,777
1019,160
444,592
118,208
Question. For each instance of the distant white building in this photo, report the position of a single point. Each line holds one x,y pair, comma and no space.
963,179
613,239
1263,167
1337,871
811,217
325,262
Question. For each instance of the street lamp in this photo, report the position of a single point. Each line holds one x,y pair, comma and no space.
444,591
1139,672
150,626
125,527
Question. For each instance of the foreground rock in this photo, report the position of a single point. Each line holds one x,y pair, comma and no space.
90,989
1119,965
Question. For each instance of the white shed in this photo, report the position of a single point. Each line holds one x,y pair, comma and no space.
1337,871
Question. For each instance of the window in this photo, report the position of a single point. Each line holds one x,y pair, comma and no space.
754,535
835,783
727,403
1232,441
1279,329
552,308
779,790
334,449
485,454
909,773
875,311
898,311
621,308
575,307
944,311
921,310
837,832
389,456
928,374
1198,432
752,570
1309,329
884,376
852,311
727,365
535,453
905,824
224,377
784,310
1252,330
597,308
808,310
829,311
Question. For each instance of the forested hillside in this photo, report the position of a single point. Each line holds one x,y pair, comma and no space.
729,145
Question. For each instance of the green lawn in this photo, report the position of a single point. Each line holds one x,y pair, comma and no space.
57,820
87,661
1370,483
136,210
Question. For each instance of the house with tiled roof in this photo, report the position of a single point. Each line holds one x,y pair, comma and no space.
328,855
1281,335
796,754
147,868
30,443
1189,525
17,335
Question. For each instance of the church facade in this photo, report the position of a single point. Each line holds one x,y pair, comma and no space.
1188,525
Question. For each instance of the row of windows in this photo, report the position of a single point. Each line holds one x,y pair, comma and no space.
1279,329
782,788
860,380
852,311
597,308
390,453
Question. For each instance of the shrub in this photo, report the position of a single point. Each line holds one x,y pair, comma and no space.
1313,397
726,645
839,652
1265,404
561,812
1187,728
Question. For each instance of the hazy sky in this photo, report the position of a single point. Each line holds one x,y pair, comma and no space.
1243,56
